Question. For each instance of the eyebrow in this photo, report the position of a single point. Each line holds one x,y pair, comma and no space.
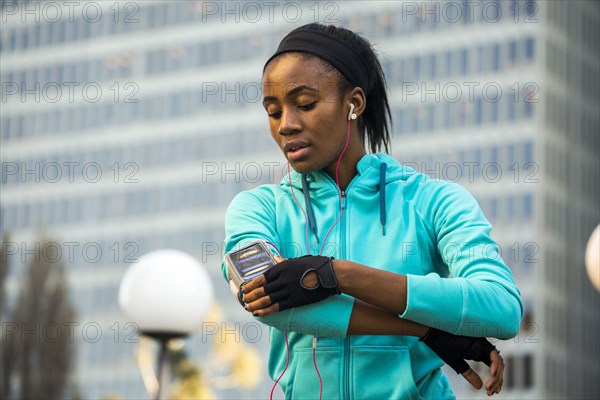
291,93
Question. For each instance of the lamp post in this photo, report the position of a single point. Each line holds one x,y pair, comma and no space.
167,294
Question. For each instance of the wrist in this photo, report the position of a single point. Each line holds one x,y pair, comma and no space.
340,270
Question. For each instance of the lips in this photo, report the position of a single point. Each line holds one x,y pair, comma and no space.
295,148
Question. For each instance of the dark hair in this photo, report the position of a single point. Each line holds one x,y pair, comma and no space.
375,122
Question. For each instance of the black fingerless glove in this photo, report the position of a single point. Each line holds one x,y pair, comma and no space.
284,281
455,349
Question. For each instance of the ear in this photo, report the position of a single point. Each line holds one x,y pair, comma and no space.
357,97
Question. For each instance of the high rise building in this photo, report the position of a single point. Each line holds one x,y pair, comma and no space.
129,126
503,101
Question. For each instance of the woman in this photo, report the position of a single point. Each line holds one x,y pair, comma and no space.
361,298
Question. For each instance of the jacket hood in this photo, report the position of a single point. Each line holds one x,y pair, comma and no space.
368,177
374,172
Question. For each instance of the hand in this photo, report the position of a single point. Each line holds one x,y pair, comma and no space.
455,349
496,379
291,283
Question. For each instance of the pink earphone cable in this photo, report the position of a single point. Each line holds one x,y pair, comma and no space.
337,181
301,209
317,368
275,247
287,360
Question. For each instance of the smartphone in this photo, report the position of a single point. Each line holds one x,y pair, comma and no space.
246,264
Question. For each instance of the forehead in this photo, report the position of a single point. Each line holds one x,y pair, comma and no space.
292,70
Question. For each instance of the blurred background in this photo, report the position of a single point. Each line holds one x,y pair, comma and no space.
128,126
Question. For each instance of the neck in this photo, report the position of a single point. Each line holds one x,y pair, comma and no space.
347,169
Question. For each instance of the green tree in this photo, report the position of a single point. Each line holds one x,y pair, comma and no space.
188,376
39,354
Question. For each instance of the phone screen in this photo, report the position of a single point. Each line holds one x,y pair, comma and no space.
251,261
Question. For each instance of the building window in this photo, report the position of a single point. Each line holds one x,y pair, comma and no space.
432,64
493,111
24,37
480,59
509,371
510,207
447,64
528,370
10,40
530,48
512,52
493,208
417,68
464,62
5,128
496,57
528,206
527,153
478,111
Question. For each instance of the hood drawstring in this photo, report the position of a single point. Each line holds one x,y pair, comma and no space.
382,211
382,205
309,210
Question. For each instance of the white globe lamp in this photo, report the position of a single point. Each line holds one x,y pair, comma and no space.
592,258
167,293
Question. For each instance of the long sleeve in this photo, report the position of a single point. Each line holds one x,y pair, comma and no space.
480,298
252,216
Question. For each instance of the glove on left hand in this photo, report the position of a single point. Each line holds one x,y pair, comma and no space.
285,286
455,349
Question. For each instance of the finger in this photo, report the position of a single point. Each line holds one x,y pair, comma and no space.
259,304
266,311
279,259
253,295
495,388
253,284
495,382
472,377
498,386
496,360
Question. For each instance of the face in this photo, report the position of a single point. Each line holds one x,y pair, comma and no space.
307,115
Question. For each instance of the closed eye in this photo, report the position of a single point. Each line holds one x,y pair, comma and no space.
274,115
308,106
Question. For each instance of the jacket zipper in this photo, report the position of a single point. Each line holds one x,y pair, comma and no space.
346,377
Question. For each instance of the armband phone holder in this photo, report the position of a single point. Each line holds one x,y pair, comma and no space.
246,264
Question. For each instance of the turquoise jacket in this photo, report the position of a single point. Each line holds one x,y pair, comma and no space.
430,230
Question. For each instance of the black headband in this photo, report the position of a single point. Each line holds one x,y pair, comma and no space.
330,49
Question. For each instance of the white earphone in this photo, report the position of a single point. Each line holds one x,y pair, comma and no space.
351,114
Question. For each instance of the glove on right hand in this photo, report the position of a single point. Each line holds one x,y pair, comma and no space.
285,281
455,349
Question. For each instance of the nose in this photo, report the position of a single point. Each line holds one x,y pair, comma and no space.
289,123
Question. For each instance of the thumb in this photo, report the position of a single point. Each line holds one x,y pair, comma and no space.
472,377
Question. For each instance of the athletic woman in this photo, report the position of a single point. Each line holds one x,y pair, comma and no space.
385,273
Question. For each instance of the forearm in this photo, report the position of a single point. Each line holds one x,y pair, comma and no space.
369,320
429,300
383,289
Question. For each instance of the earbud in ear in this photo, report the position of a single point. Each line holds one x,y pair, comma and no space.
351,114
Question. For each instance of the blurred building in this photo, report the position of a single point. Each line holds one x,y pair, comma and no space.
128,127
504,102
